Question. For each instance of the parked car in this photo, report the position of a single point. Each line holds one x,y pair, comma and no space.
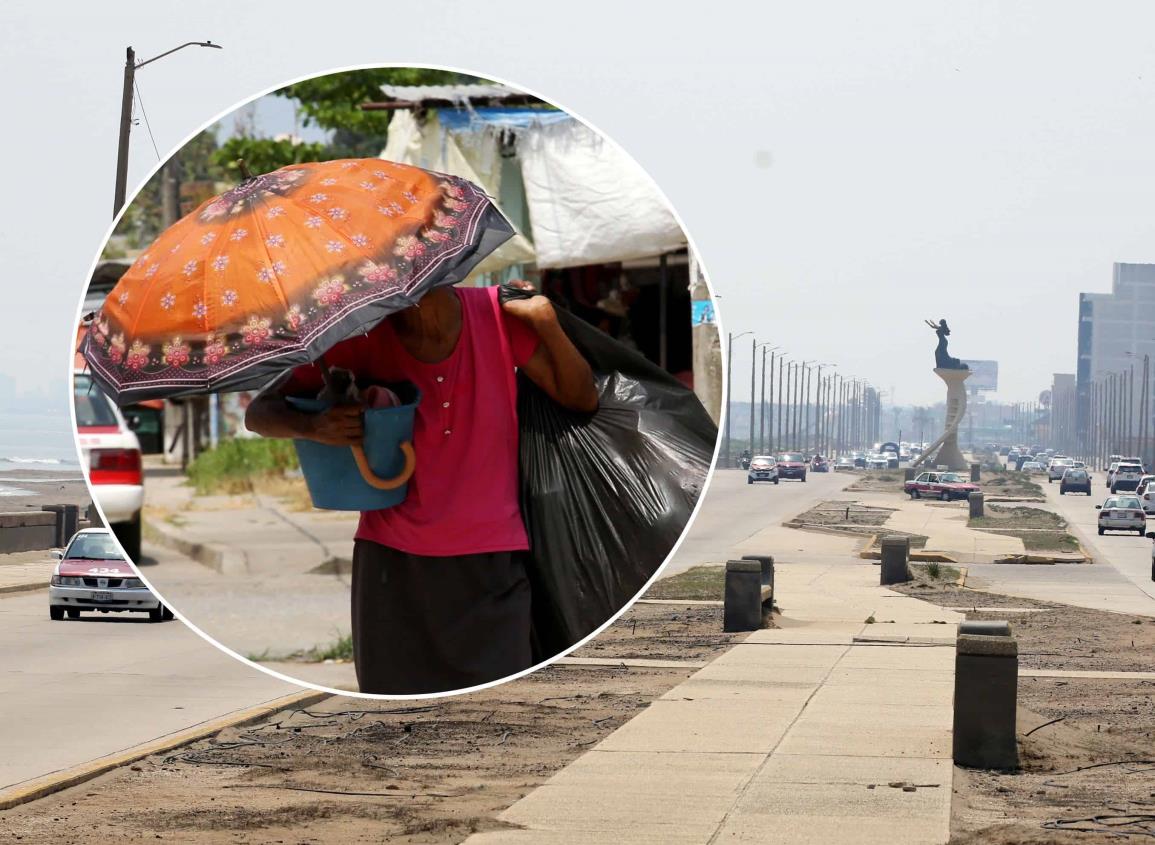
762,468
939,485
1056,468
819,464
1122,513
844,462
93,575
110,454
1127,477
792,465
1075,480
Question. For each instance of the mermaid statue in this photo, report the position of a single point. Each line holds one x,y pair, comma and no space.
942,359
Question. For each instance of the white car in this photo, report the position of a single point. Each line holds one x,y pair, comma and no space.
110,454
1056,468
762,468
1032,466
1146,494
93,576
1121,513
844,462
1111,467
877,462
1127,477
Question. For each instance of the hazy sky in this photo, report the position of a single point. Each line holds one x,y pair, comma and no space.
845,169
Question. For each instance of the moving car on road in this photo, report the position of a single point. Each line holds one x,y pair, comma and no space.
844,462
1127,477
939,485
1075,481
1146,494
93,576
819,464
110,453
1056,468
1121,513
792,465
877,462
1032,467
762,468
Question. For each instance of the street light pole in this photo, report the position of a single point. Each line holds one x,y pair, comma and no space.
131,66
730,336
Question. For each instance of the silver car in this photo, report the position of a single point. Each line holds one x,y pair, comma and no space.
1122,513
93,576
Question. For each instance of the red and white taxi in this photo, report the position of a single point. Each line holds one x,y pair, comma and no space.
110,455
939,485
92,575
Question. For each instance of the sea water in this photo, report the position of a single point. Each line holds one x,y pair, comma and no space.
41,445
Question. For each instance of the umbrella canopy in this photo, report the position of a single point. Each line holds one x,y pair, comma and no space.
276,271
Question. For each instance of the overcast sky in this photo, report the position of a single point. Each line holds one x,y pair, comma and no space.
845,169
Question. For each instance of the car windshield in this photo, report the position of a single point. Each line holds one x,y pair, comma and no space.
93,547
951,478
1076,474
1122,502
762,459
792,458
1129,468
92,406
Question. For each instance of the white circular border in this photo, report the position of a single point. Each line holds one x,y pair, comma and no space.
308,684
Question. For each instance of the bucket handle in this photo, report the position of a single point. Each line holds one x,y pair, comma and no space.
386,483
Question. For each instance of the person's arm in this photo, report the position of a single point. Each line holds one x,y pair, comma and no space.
556,367
269,415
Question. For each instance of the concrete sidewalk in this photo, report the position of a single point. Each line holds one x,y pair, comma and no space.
806,733
22,571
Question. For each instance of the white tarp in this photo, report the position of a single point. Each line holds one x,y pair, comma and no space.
476,158
589,202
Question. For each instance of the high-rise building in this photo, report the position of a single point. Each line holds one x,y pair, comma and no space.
1116,331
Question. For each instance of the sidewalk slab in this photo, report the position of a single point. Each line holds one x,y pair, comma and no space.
23,571
780,738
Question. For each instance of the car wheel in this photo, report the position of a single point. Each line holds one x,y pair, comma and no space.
128,533
749,480
1102,531
73,613
945,496
55,613
156,614
1112,491
803,478
914,494
775,480
168,614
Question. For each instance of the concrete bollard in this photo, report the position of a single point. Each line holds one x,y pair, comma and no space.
767,563
908,473
985,628
895,557
67,522
985,696
976,473
975,500
742,606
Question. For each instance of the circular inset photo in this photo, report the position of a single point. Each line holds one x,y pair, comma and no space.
395,381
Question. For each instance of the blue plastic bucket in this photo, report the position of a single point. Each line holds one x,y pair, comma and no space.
331,473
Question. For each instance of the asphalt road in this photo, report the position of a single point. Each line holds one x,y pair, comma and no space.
76,690
734,511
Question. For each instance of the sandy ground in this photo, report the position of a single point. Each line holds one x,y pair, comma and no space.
22,490
1097,762
354,771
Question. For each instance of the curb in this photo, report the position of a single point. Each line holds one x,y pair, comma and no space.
56,781
22,588
217,558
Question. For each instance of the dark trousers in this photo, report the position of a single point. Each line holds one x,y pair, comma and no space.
435,624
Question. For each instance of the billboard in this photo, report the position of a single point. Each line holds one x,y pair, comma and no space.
984,375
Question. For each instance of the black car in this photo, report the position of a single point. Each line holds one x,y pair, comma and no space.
1075,481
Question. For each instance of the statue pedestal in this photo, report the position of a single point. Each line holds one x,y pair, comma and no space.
948,453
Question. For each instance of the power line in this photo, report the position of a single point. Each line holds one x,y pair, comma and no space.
144,114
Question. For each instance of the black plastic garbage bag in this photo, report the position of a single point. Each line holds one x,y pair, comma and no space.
605,496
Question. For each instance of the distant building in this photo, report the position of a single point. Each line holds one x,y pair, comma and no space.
1116,330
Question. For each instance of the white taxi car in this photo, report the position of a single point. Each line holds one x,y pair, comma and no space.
762,468
1121,513
93,576
110,453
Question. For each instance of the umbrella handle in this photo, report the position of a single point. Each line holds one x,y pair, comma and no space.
386,483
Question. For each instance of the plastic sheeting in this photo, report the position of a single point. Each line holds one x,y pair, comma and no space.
427,145
589,202
605,496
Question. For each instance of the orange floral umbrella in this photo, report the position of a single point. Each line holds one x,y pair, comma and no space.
273,273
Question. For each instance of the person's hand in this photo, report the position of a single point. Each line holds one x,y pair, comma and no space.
341,425
534,310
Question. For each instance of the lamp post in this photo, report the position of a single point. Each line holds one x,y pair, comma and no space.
762,401
131,66
730,337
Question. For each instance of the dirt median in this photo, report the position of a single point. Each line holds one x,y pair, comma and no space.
352,771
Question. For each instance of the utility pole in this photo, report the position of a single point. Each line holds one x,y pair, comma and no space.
781,415
753,367
131,66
